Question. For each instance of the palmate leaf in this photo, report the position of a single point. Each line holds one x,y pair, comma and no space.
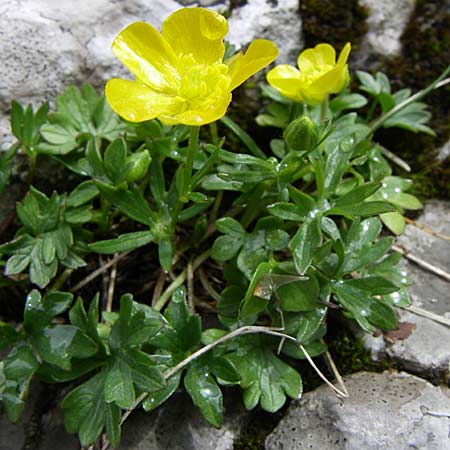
265,378
80,114
86,412
16,371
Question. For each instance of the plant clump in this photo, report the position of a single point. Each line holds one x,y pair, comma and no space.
222,265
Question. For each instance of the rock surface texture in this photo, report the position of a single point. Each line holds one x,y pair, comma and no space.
178,425
427,349
386,22
46,46
384,411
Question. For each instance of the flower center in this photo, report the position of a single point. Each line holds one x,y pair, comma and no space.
201,83
308,77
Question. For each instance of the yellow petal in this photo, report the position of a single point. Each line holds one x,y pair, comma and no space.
259,54
331,82
202,116
137,102
320,55
343,56
196,31
286,79
147,55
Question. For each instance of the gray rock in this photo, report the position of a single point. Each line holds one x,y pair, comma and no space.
39,428
426,351
46,46
202,3
444,152
386,22
178,425
384,411
278,21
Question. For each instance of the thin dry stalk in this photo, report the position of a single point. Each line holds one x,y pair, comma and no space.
427,229
99,271
422,263
111,287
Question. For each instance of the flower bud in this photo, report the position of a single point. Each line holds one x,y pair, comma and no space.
301,134
138,163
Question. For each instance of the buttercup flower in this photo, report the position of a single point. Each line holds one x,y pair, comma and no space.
319,74
180,74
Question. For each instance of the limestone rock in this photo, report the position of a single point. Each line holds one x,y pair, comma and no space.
387,20
178,425
46,46
278,21
426,350
384,411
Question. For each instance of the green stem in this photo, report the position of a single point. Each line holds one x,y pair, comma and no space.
192,149
32,157
417,96
56,286
324,109
179,280
214,134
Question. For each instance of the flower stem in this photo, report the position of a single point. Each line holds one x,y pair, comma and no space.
324,109
192,149
214,134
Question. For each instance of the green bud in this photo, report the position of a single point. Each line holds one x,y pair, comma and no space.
138,163
301,134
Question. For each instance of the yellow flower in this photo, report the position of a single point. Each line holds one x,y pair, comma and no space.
180,75
319,75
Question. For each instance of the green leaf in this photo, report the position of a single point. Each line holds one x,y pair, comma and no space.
17,263
187,326
133,327
243,136
303,245
304,325
115,161
145,374
205,393
336,165
376,285
228,225
301,295
265,378
158,397
367,310
131,202
347,101
113,416
16,372
368,82
123,243
59,344
255,299
226,247
286,211
357,195
85,409
95,166
8,335
118,385
16,119
394,221
82,194
39,311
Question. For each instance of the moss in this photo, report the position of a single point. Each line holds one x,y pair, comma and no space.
333,21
